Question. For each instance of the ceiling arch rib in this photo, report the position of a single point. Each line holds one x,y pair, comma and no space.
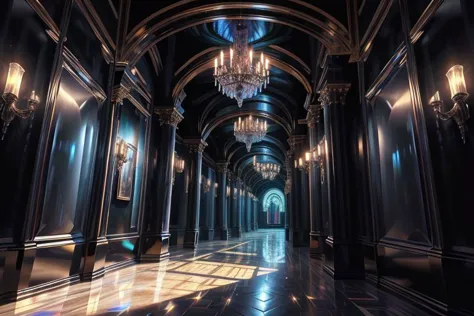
187,13
208,63
261,114
231,141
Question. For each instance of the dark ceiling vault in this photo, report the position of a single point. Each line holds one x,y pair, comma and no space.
297,36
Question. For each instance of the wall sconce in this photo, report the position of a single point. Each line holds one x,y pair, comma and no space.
206,184
216,186
121,152
10,97
178,165
460,110
236,191
227,192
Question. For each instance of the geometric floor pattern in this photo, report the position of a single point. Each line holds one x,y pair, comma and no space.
255,275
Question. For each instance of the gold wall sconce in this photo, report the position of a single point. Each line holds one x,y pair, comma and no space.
10,97
236,191
460,110
178,165
216,186
319,153
227,192
121,152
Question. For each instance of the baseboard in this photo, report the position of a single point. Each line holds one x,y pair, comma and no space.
120,265
420,300
38,289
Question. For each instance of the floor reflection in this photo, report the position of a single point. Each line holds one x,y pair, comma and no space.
255,277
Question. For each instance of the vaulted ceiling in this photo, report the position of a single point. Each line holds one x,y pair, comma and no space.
187,35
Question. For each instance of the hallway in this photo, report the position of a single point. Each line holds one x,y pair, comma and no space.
254,275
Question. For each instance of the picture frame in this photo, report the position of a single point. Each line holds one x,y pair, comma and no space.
126,175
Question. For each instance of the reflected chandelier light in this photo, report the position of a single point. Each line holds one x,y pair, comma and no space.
240,78
249,131
268,170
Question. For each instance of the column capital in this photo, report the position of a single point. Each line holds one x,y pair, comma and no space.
168,116
334,93
313,115
222,166
119,93
195,145
295,140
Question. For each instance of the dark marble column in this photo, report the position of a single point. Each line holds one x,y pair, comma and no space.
298,237
181,185
255,214
191,236
317,238
252,214
96,243
246,210
207,210
236,208
342,255
155,233
288,186
221,203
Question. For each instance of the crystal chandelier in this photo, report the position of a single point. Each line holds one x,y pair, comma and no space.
268,170
249,131
240,78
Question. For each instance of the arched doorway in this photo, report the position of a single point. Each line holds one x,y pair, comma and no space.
273,209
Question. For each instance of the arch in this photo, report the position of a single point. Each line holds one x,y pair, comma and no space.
188,13
219,120
209,64
274,201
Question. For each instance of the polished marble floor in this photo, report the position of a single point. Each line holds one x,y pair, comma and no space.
254,275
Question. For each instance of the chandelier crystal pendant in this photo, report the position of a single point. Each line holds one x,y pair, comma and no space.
239,77
249,131
269,171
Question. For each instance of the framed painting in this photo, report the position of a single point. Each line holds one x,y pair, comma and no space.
126,175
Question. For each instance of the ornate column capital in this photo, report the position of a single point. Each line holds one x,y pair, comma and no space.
168,116
119,93
295,140
313,115
195,145
334,93
222,166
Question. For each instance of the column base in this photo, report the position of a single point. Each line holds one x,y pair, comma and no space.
221,233
191,239
249,228
343,259
94,261
177,236
154,248
298,238
254,227
316,245
207,234
237,232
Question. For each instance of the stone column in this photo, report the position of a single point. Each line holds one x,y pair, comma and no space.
248,210
221,203
252,215
155,233
288,186
236,208
342,255
191,236
297,237
255,214
96,242
317,238
207,214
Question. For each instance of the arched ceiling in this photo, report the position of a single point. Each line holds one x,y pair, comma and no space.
189,34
